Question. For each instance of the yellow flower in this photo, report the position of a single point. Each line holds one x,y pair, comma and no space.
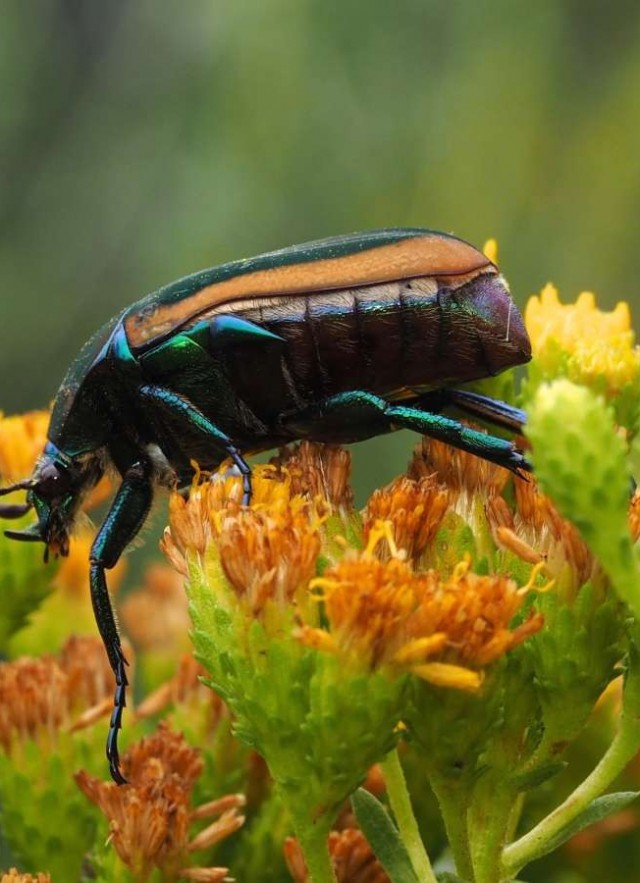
149,819
22,439
588,345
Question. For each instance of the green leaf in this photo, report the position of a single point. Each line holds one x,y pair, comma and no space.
448,877
597,810
383,837
533,778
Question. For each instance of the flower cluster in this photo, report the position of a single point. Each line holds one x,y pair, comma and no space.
465,622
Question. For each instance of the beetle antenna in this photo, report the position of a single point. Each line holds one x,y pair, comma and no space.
14,511
30,534
26,485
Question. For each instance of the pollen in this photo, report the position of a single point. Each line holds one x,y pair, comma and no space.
595,345
150,819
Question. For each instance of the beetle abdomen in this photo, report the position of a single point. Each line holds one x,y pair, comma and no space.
392,339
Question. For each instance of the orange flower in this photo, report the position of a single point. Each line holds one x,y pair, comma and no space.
352,858
150,818
414,507
383,614
319,471
13,876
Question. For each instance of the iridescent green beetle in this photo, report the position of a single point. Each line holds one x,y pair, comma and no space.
337,340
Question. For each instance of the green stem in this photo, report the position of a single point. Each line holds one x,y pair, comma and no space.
313,840
453,800
405,819
533,845
488,820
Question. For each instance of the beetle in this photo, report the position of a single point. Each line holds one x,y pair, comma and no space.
336,340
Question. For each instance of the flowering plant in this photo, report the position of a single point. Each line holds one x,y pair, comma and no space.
434,658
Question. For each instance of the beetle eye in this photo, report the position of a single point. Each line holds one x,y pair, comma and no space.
52,481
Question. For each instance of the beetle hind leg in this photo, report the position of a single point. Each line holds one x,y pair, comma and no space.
357,414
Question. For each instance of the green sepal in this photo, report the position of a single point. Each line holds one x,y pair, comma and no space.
300,708
574,657
383,837
580,461
542,773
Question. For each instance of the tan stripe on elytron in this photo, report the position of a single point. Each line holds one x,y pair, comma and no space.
419,256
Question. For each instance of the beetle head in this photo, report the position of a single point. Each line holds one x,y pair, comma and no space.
56,490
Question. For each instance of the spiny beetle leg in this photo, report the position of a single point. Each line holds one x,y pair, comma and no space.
381,415
124,519
494,411
177,405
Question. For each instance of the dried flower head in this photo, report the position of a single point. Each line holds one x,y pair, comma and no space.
462,473
150,818
414,507
352,858
536,531
319,471
32,693
39,697
269,555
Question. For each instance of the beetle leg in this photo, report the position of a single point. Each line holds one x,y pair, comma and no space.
179,406
124,519
382,416
475,405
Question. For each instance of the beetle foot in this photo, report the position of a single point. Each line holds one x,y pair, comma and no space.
119,704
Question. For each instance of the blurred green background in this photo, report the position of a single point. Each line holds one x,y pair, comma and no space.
141,141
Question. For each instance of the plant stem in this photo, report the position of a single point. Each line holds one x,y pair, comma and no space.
453,799
405,819
488,820
313,840
533,844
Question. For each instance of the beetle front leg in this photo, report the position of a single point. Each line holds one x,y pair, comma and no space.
125,518
176,405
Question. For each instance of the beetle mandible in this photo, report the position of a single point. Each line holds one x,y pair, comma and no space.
336,340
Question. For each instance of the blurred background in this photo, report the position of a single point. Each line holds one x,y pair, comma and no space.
140,142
